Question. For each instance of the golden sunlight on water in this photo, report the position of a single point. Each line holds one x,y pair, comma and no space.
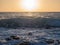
30,14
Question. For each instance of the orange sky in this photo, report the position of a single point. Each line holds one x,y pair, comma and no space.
44,6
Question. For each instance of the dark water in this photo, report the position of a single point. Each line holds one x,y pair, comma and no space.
41,25
39,14
30,19
37,37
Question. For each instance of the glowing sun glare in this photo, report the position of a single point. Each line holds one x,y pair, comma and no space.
29,5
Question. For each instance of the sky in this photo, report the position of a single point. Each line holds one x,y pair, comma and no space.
43,6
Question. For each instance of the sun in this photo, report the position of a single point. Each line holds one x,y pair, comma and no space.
29,5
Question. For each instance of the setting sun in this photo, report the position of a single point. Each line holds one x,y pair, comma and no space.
29,5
